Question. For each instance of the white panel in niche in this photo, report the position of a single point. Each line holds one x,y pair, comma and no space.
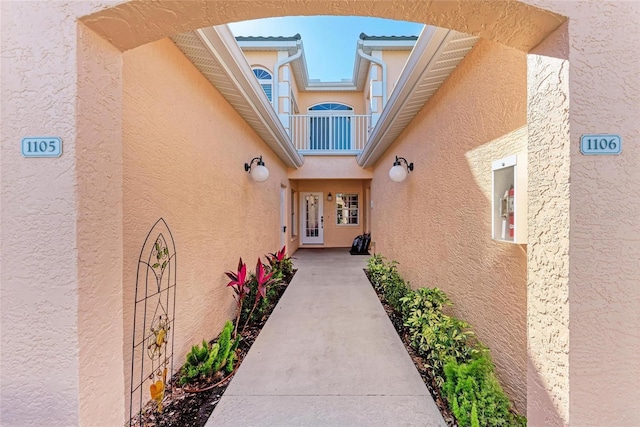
509,199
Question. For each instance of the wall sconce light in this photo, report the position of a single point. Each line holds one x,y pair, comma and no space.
329,197
398,172
259,173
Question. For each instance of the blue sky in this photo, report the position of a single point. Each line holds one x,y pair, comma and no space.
329,41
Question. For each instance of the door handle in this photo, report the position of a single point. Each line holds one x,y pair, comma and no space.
284,228
322,222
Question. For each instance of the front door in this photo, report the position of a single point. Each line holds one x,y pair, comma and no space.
312,224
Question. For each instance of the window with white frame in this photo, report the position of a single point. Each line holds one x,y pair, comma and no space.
347,209
266,81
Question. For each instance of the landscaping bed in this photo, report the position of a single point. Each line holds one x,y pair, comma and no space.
455,366
191,404
423,369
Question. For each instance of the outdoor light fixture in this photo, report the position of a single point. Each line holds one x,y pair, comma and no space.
259,173
329,197
399,172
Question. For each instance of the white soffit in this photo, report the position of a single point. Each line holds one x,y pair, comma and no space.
436,54
210,51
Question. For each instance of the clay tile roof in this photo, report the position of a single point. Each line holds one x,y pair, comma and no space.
363,36
268,38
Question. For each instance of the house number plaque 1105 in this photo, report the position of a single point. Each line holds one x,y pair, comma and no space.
42,146
600,144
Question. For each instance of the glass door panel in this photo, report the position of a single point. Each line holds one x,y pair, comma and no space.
312,223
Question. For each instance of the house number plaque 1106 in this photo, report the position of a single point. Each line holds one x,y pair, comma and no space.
600,144
42,146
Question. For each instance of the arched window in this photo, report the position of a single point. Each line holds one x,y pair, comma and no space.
330,106
330,126
266,81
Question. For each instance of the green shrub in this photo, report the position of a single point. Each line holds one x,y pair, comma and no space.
386,279
475,395
436,336
198,363
377,270
394,289
204,360
458,362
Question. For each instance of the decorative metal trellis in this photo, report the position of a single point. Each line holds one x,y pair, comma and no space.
153,319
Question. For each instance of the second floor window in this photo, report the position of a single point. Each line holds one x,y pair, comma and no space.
266,81
331,106
330,126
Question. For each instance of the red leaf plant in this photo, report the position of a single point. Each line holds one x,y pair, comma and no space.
239,284
263,280
278,256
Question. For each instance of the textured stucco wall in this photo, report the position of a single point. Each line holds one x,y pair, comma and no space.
99,231
39,315
604,232
437,223
548,270
184,148
336,236
515,23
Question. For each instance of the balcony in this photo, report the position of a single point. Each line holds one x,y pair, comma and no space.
329,134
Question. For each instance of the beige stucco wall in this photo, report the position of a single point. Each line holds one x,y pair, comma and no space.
184,148
41,372
603,243
336,236
548,279
330,167
353,99
42,223
437,223
99,230
395,60
262,58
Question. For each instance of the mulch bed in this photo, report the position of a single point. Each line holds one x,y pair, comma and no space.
182,408
418,361
185,409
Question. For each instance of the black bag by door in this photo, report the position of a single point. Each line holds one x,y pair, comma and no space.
360,245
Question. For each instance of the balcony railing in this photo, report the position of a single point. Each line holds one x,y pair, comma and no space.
329,134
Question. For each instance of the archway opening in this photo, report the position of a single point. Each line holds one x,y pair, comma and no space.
108,24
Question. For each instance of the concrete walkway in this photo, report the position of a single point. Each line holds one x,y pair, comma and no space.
327,356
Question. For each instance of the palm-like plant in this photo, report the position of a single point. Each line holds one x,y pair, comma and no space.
263,279
280,264
239,284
